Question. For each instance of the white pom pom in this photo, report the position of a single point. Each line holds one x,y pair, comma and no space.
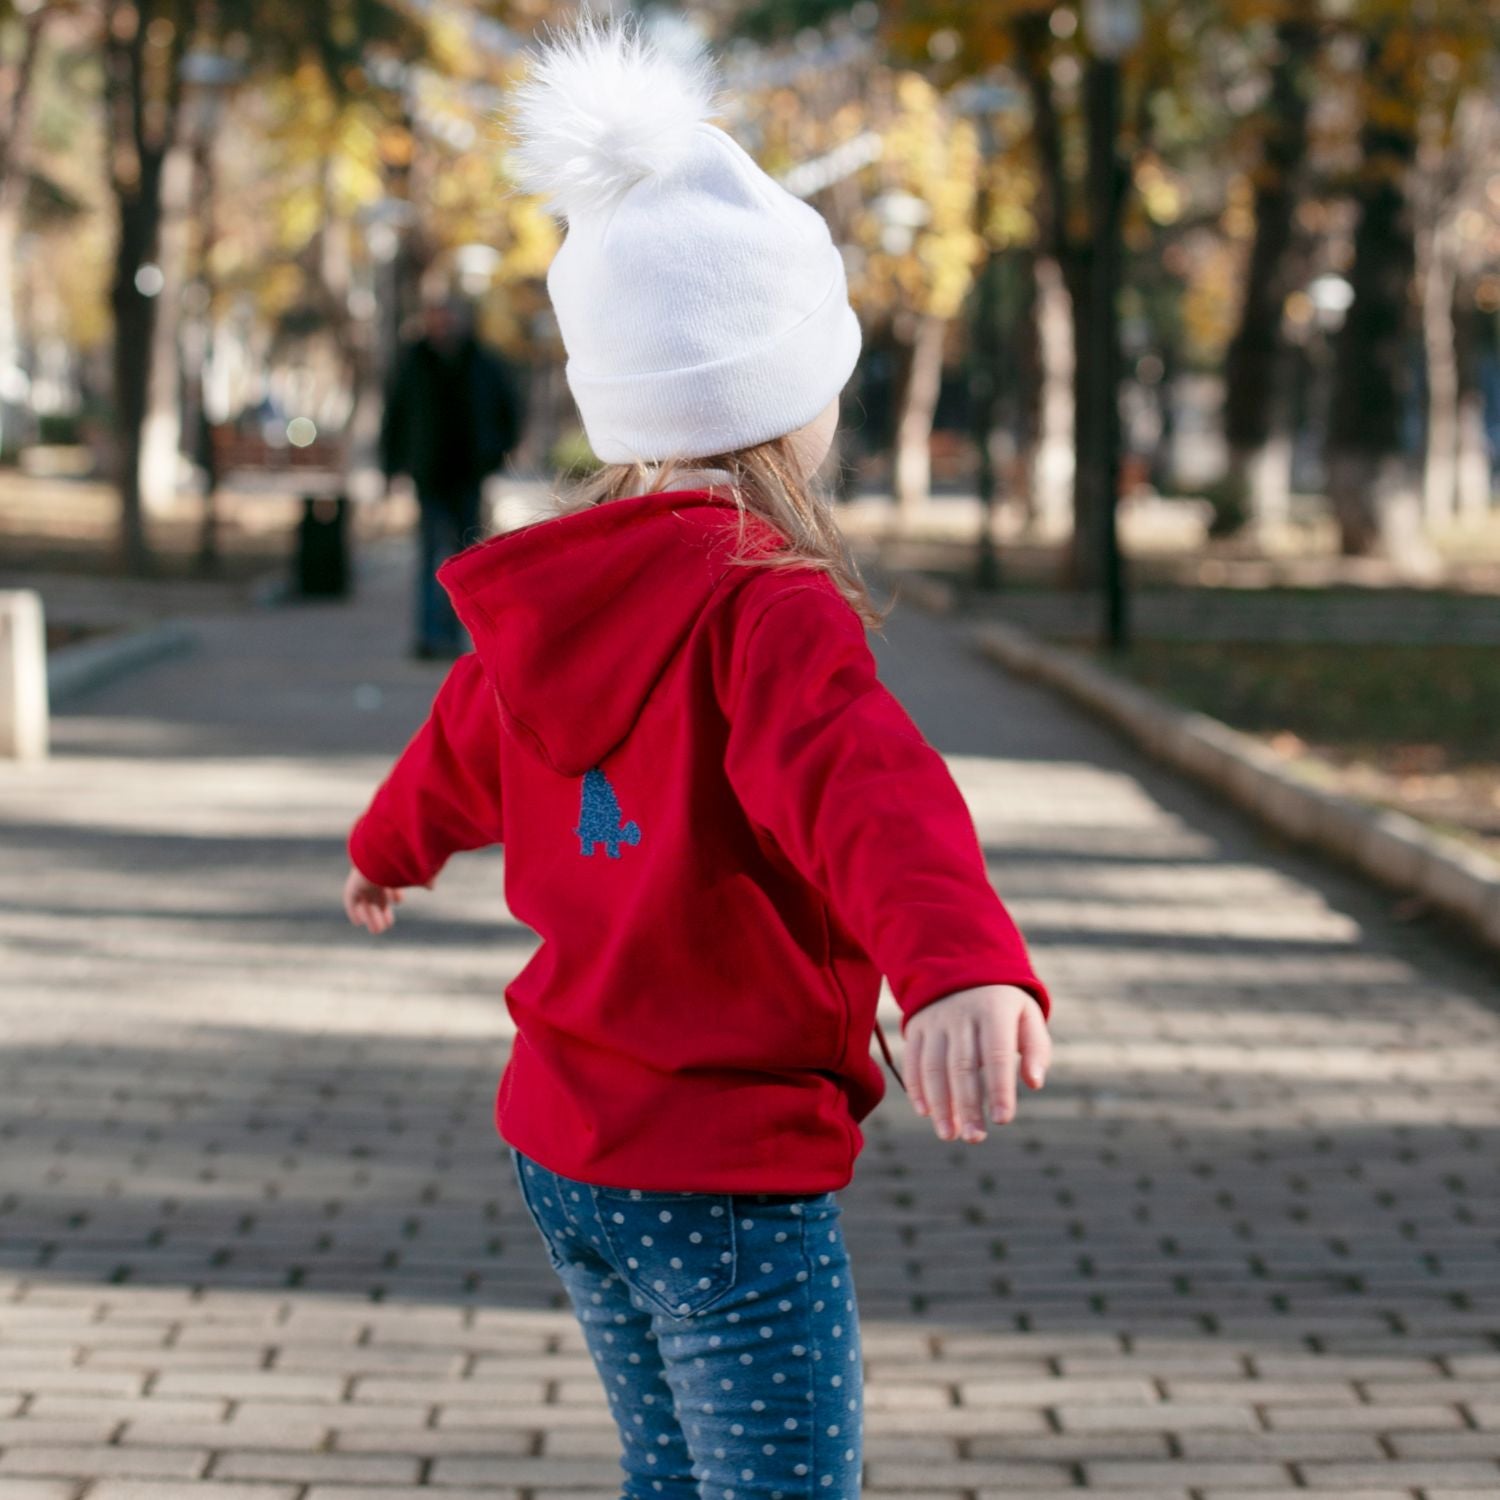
603,109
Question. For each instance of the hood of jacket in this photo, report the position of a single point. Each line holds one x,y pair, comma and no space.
575,618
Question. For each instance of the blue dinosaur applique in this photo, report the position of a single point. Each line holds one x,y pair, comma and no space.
599,818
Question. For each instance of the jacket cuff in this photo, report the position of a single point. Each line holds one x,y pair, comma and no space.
938,986
372,861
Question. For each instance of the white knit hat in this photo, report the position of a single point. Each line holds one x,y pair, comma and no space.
703,307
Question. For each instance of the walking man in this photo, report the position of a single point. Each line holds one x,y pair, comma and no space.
452,415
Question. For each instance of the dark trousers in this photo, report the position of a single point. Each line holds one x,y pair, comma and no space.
449,523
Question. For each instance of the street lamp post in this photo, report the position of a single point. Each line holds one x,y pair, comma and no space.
1113,28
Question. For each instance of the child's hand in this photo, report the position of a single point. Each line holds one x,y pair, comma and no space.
962,1053
369,905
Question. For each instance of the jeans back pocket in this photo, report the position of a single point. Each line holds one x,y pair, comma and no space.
675,1250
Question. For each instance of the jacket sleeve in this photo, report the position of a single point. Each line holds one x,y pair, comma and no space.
443,793
826,761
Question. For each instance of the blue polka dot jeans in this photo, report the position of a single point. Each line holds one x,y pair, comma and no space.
725,1329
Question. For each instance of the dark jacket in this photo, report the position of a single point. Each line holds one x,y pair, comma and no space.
448,422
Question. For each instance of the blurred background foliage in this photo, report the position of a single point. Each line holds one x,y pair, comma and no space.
223,216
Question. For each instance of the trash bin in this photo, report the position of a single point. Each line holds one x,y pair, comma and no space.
322,561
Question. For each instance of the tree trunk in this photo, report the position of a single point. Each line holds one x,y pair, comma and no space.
1255,365
1439,274
1080,563
135,327
161,440
919,395
13,181
1473,461
1054,456
10,348
1062,286
1372,350
143,103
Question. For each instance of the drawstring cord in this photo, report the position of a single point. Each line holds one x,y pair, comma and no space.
885,1047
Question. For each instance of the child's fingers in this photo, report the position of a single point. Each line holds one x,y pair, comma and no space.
966,1079
934,1076
1036,1046
1000,1058
914,1073
371,913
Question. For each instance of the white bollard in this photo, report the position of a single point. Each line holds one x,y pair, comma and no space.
23,676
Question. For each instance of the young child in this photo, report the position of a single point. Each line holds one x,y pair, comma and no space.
720,825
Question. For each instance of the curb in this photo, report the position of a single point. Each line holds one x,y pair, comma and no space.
72,670
1390,848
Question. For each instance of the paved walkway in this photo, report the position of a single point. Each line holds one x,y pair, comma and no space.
258,1241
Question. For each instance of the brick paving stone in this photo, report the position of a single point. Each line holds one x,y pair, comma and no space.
385,1359
526,1472
1166,1416
302,1468
466,1418
295,1432
40,1356
1168,1493
1443,1444
1385,1369
906,1396
329,1413
1057,1392
1419,1393
19,1431
1176,1368
1197,1474
1304,1393
38,1489
892,1474
1282,1447
261,1385
1363,1418
398,1390
106,1409
23,1380
955,1421
1063,1447
91,1461
432,1443
425,1492
1262,1494
258,1196
159,1361
126,1489
1426,1474
952,1371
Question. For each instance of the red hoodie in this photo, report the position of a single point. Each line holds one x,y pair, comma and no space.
722,828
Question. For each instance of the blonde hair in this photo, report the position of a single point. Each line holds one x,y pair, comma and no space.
767,483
